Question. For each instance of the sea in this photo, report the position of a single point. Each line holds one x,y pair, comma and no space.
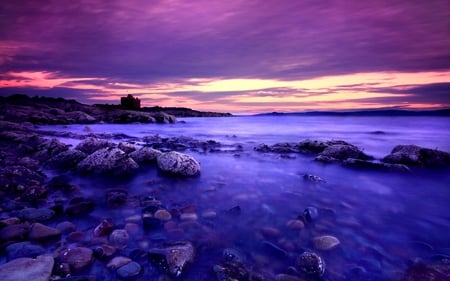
244,200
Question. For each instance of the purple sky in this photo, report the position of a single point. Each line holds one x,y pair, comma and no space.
239,56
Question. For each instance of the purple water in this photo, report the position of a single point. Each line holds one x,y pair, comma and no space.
384,220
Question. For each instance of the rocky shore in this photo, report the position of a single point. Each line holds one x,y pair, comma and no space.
46,232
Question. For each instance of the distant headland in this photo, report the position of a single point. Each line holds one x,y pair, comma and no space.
375,112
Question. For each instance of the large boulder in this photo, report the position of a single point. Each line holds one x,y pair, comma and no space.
145,155
66,160
90,145
342,152
417,156
25,269
108,160
178,164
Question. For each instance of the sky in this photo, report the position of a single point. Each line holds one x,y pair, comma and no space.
238,56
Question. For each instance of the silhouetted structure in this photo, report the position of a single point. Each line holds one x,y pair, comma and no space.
130,102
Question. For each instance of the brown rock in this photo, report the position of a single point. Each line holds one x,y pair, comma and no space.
78,258
42,232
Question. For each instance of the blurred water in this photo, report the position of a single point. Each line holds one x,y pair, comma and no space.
384,220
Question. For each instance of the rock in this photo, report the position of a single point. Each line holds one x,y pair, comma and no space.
91,145
23,250
235,271
116,197
358,163
80,206
287,277
66,227
435,272
15,232
145,155
325,242
310,263
79,117
117,262
417,156
104,252
25,269
343,152
66,160
316,146
128,271
127,147
77,258
310,214
233,255
173,257
295,224
108,160
312,178
119,238
270,232
36,215
42,232
49,148
163,215
178,164
16,175
104,228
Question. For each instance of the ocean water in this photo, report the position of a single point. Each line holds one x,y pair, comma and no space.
384,220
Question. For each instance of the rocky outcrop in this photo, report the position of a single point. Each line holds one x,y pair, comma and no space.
178,164
340,152
413,155
108,160
38,269
66,160
91,145
145,155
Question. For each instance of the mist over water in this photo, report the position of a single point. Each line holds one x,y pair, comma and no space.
383,219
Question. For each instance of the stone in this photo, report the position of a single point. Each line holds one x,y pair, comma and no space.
117,262
127,147
49,148
287,277
163,215
116,197
145,155
325,242
173,257
428,272
80,206
233,255
343,152
104,252
36,215
108,160
310,263
23,250
104,228
42,232
66,160
15,232
66,227
313,178
119,238
128,271
295,224
413,155
25,269
178,164
91,145
358,163
77,258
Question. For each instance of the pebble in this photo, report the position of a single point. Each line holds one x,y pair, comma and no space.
117,262
325,242
188,217
104,228
77,258
36,215
129,270
9,221
104,251
163,215
270,232
14,232
310,263
295,224
66,227
209,214
24,250
42,232
119,238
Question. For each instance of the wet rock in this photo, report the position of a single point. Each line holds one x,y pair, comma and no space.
117,262
163,215
49,148
42,232
343,152
36,215
310,263
127,147
262,148
235,271
418,156
108,160
15,175
310,214
270,232
66,227
178,164
434,272
91,145
129,271
38,269
80,206
9,221
313,178
173,257
104,252
104,228
295,224
66,160
116,197
325,242
15,232
119,238
24,250
357,163
145,155
77,258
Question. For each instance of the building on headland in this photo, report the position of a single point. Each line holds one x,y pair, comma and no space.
130,102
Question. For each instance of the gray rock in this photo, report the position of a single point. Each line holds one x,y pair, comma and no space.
325,242
316,146
77,258
343,152
145,155
66,160
25,269
178,164
23,250
310,263
108,160
129,270
119,238
36,215
91,145
174,257
418,156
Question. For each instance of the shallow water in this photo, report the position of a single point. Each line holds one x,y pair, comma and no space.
384,220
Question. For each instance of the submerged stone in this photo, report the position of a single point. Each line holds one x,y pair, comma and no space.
310,263
178,164
325,242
